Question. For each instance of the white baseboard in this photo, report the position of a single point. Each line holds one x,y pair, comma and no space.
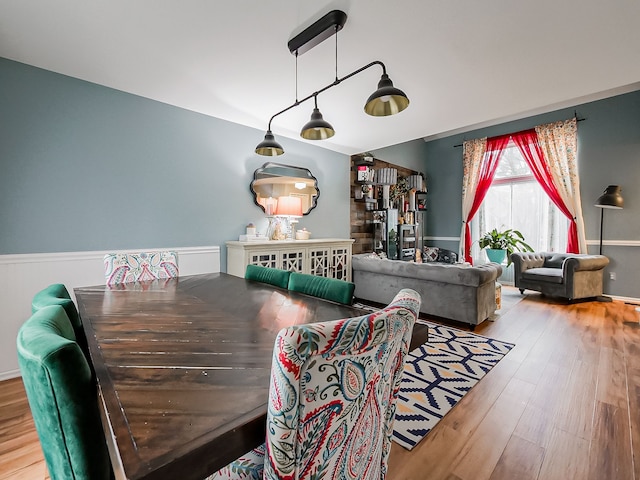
23,275
631,300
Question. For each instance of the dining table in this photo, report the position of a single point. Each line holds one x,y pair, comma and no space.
183,365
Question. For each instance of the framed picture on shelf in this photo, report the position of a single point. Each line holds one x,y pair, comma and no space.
421,201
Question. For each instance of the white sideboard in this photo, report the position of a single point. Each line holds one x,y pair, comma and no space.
324,257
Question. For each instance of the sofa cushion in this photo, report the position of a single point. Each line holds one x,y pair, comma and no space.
543,274
431,254
447,256
555,261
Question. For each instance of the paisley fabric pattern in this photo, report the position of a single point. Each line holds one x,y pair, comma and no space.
135,267
333,394
334,387
247,467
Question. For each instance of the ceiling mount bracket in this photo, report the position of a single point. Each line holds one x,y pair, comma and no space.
317,32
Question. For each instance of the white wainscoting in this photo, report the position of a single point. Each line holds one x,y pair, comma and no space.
22,276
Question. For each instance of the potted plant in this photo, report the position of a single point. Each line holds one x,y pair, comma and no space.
502,244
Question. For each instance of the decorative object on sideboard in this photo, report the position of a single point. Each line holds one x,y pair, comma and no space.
303,234
274,180
386,100
286,216
252,235
611,198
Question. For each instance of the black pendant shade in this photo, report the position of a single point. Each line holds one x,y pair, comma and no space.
317,128
386,100
269,147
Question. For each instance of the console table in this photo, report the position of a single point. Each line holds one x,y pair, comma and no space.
324,257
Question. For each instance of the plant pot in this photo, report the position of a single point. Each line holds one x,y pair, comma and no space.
496,256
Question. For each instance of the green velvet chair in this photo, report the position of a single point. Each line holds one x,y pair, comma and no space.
62,396
322,287
272,276
57,294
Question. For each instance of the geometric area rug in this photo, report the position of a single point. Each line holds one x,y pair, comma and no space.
437,375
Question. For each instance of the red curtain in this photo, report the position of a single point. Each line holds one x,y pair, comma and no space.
495,146
527,142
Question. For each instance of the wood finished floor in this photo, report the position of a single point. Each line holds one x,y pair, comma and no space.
563,404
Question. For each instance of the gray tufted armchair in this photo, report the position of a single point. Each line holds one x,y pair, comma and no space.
567,275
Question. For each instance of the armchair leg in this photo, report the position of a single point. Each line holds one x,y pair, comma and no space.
521,291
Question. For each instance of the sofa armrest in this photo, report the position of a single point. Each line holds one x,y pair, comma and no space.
584,263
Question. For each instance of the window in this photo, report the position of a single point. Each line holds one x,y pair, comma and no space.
516,200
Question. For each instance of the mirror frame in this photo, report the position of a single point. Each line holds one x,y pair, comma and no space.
304,174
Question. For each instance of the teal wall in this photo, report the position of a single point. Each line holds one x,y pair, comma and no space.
609,154
85,167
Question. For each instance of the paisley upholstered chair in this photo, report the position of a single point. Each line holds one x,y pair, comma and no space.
322,287
62,397
332,398
57,294
135,267
272,276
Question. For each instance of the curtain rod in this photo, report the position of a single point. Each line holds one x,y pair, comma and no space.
515,133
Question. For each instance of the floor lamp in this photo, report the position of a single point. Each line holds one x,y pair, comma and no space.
611,198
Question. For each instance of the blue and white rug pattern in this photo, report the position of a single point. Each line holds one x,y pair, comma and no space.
437,375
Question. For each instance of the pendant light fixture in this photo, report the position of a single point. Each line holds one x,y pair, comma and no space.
269,147
386,100
317,128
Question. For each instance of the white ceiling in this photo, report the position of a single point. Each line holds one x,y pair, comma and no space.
463,64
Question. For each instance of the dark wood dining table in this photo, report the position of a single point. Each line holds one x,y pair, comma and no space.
183,367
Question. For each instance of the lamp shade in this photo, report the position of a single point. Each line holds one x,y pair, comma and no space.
415,182
289,207
386,176
611,198
269,147
386,100
317,128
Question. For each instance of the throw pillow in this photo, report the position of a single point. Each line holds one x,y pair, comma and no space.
431,254
554,262
447,256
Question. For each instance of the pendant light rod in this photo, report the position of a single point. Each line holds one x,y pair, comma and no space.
337,81
317,32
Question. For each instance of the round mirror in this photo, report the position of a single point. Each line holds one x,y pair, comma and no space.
274,181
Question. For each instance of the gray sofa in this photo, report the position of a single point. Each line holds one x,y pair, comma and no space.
567,275
453,291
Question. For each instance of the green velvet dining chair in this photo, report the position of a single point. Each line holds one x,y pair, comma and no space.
57,294
272,276
322,287
62,396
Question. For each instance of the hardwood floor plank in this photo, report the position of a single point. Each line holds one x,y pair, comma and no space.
574,413
484,447
611,455
521,459
612,378
633,385
566,457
